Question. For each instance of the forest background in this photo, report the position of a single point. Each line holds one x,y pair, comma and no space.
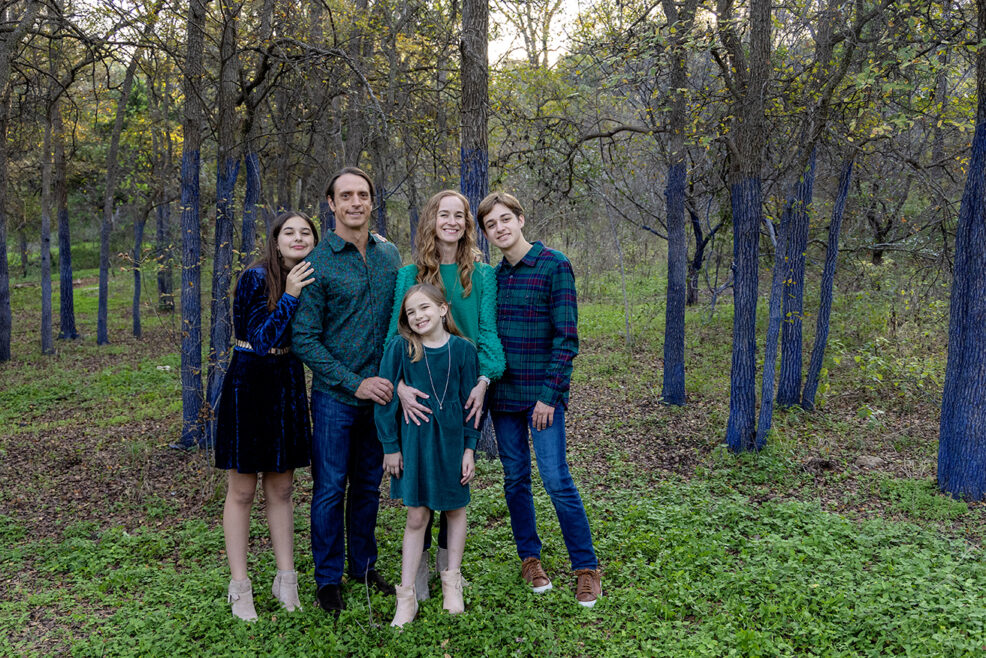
762,201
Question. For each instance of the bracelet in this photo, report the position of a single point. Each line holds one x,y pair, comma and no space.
484,378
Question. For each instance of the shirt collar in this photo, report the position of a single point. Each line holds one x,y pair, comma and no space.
337,244
529,258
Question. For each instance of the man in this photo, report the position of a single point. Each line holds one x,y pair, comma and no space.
536,321
338,332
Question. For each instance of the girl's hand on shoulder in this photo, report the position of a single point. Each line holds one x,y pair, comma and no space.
468,466
474,403
300,276
393,463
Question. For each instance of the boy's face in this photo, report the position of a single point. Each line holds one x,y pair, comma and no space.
503,228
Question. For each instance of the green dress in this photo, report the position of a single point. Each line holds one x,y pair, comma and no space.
432,451
475,315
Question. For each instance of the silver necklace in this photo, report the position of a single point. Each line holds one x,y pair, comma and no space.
441,400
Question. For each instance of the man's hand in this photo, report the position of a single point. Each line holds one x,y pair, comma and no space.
542,416
468,466
377,389
413,410
393,463
474,404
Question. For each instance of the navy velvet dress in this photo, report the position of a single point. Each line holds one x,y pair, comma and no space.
262,422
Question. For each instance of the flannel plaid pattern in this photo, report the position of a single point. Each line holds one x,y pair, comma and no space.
537,318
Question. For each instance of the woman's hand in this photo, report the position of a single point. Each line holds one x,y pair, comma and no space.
413,410
474,403
393,463
300,276
468,466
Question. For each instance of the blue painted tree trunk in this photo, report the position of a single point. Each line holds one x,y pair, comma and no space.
413,220
825,297
673,390
789,383
66,293
137,257
102,308
326,216
191,302
163,253
747,209
774,319
381,192
250,199
221,330
962,433
474,184
5,314
47,339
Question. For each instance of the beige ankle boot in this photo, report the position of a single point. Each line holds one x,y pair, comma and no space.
441,564
240,594
285,589
422,577
407,606
452,592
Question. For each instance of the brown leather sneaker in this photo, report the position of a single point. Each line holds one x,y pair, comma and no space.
588,587
532,571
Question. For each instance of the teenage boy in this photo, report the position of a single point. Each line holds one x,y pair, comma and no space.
338,331
536,321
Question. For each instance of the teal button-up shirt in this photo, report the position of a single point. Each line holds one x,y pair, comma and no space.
339,328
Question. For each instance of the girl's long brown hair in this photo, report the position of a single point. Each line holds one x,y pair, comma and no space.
426,252
270,258
415,347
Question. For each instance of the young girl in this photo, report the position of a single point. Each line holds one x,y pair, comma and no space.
445,256
262,423
430,464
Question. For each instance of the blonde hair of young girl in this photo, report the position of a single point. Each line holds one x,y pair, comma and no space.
426,253
415,347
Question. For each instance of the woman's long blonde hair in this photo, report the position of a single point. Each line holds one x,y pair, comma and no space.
427,255
415,348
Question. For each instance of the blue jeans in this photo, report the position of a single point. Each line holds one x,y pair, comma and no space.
549,449
345,450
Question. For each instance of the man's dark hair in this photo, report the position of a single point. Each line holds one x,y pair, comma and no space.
355,171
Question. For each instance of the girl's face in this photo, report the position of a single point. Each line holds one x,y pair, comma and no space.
295,241
425,316
450,223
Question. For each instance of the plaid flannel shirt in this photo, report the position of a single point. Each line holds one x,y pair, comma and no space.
537,318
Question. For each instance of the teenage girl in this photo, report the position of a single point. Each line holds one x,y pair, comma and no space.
445,256
262,423
431,464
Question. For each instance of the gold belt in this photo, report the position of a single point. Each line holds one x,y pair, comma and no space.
277,351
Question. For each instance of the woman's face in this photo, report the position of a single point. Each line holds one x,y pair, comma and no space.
295,241
450,223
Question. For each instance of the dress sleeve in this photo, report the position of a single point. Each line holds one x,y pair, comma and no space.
565,343
263,328
405,279
386,415
468,365
492,361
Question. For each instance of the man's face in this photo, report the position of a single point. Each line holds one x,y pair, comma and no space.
503,228
351,202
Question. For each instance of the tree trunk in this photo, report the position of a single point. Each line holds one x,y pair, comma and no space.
474,179
47,342
140,219
9,42
825,296
789,382
191,275
164,241
220,329
66,306
962,434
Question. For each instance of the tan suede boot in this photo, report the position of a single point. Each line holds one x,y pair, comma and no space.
452,592
285,589
407,606
240,594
